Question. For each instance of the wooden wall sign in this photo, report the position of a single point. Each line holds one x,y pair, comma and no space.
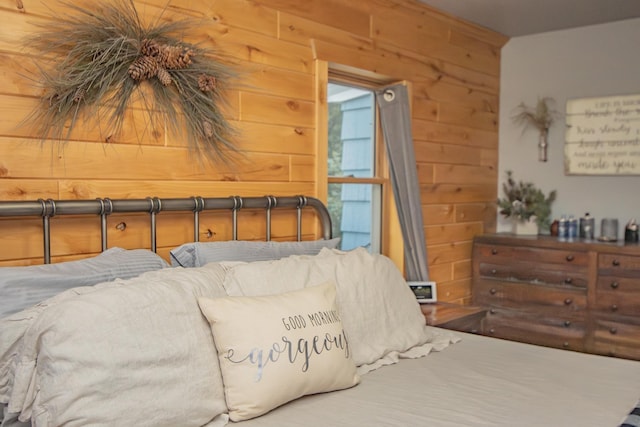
603,136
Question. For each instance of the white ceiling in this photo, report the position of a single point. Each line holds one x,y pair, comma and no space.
524,17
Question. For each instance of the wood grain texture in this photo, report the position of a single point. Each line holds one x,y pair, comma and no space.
282,50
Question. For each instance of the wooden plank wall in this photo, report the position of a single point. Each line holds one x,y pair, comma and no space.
452,68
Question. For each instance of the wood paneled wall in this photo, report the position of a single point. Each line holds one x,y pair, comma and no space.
452,68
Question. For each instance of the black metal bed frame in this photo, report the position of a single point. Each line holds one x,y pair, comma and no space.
153,206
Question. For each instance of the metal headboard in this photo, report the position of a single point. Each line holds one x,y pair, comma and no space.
154,205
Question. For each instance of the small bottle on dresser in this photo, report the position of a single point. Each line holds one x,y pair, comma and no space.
572,227
587,227
562,227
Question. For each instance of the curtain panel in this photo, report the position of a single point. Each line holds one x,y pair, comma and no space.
395,117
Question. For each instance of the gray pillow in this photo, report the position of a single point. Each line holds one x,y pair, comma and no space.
141,343
22,287
201,253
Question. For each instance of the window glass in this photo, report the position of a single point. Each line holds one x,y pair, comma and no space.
354,194
355,215
351,131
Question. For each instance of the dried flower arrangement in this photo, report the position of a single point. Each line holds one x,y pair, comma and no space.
101,57
522,201
541,118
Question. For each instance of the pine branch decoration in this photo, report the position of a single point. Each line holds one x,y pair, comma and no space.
95,80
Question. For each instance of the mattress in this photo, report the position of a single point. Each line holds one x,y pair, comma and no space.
480,381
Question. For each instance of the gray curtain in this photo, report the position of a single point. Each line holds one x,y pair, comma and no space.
393,103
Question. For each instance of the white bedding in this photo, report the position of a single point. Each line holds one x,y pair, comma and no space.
140,352
480,381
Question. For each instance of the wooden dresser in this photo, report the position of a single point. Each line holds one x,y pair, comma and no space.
582,296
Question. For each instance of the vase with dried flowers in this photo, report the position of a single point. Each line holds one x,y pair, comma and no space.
540,117
526,204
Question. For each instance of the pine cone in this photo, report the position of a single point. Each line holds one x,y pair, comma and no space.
164,76
206,83
174,57
149,47
207,128
185,58
143,68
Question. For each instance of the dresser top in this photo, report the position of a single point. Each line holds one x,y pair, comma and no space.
552,242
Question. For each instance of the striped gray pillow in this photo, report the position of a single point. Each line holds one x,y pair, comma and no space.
201,253
22,287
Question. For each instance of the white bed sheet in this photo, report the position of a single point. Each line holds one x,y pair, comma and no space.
480,381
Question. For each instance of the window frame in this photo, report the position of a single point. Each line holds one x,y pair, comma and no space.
389,224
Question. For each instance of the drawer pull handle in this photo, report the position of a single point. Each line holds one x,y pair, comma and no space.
568,301
565,344
615,263
569,258
494,271
568,280
494,251
492,311
492,331
613,331
614,307
493,291
615,285
567,323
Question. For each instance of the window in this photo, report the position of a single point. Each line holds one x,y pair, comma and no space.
355,183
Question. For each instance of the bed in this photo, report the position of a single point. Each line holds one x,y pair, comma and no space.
265,333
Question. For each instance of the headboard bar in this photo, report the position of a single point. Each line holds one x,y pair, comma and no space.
272,202
302,202
46,233
154,205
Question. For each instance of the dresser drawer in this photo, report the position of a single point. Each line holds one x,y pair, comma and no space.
614,338
517,295
569,275
618,265
618,295
570,322
551,333
509,254
616,350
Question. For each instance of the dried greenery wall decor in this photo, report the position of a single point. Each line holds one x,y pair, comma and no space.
540,117
102,56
